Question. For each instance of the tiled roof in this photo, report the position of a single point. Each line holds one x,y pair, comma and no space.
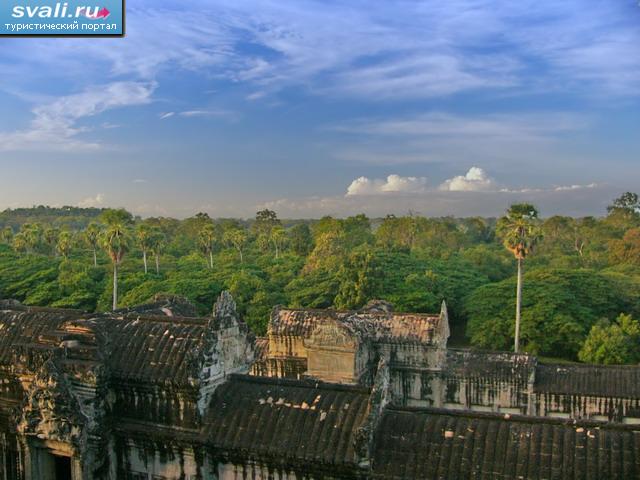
446,445
285,421
21,325
155,349
500,365
597,380
378,325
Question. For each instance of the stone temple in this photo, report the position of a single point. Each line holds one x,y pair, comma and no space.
156,392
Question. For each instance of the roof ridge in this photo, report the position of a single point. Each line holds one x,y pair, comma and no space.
301,383
520,418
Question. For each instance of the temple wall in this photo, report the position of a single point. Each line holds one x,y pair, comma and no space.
332,365
287,346
156,404
254,471
622,410
155,461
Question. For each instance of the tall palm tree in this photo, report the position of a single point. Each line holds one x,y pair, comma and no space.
32,236
143,237
50,236
208,236
236,237
64,244
520,232
278,236
115,242
91,236
6,235
157,242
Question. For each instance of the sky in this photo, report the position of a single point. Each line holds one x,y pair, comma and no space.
311,108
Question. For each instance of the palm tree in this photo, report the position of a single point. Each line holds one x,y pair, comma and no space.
32,236
143,236
6,235
20,244
236,237
520,232
157,242
91,236
207,238
278,236
50,236
64,244
115,242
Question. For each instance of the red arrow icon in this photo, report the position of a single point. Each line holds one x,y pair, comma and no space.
103,13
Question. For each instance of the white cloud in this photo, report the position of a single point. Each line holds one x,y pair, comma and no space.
55,125
207,113
96,201
166,115
563,188
475,180
392,184
140,180
578,202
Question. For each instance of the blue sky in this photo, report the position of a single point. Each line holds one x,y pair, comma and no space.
311,108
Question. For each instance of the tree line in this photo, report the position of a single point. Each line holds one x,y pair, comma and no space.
560,286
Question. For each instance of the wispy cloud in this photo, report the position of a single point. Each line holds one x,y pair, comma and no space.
443,137
55,125
562,188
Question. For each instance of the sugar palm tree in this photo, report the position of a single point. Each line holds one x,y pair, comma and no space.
520,232
143,237
236,237
91,236
208,236
32,236
64,243
278,236
50,236
6,235
115,242
157,243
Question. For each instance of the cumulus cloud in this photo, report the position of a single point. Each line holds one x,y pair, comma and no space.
475,180
89,202
392,184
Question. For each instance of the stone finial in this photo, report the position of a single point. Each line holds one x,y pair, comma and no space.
225,307
443,327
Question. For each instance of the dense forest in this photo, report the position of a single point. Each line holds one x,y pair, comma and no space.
580,276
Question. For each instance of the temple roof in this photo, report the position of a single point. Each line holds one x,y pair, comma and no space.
291,422
20,326
376,323
445,444
500,365
155,349
135,344
597,380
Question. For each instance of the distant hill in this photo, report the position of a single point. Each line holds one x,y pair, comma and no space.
72,217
